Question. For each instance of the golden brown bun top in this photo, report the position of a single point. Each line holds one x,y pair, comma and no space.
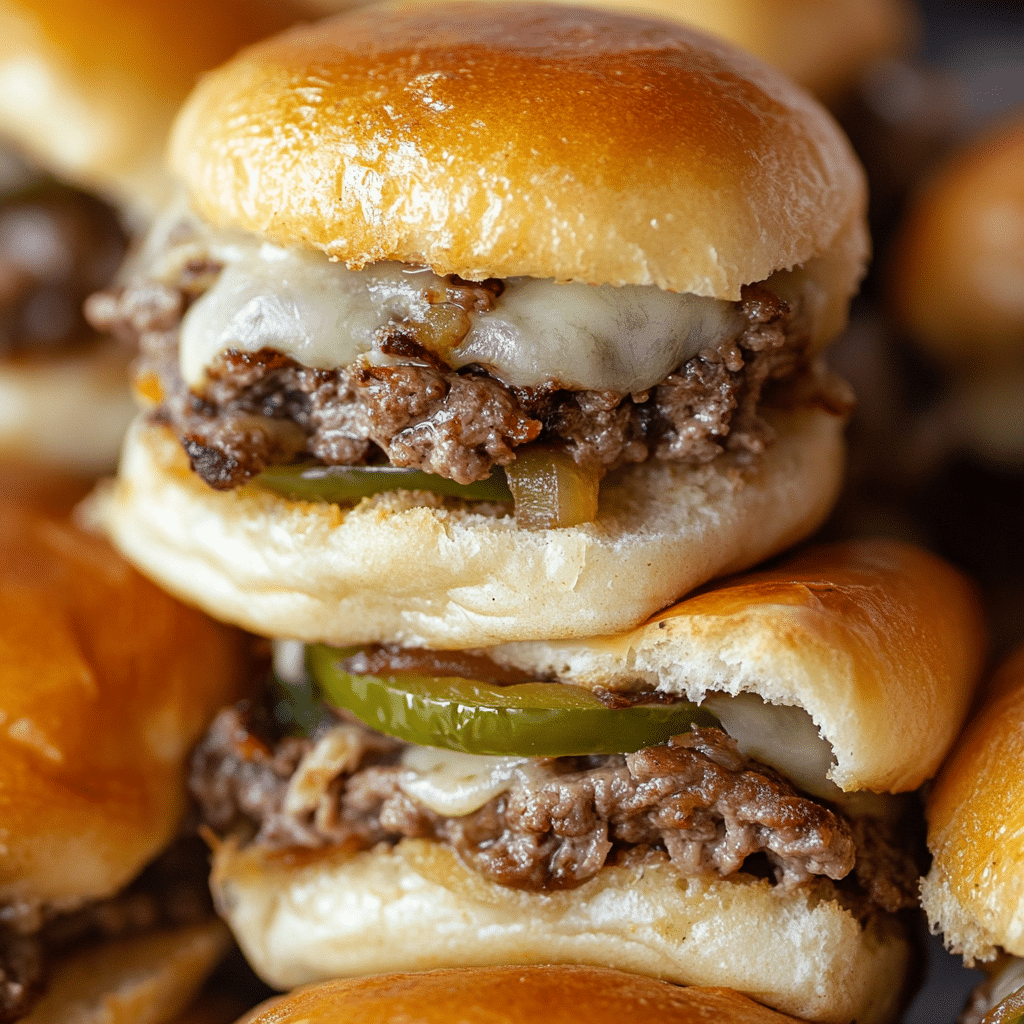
511,995
106,683
959,263
879,641
500,140
89,90
975,892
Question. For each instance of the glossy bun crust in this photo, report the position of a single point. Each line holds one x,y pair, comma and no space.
879,641
499,140
511,995
974,892
106,683
90,90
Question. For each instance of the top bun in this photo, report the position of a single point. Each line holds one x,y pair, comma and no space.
106,684
879,641
505,140
974,892
90,90
509,995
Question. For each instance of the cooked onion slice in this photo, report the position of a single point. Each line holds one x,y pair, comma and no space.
551,491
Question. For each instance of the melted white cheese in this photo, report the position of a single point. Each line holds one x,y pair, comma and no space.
455,784
785,738
323,315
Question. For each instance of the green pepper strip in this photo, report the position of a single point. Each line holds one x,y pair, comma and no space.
350,483
526,719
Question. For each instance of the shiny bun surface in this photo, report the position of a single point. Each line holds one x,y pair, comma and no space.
508,995
105,685
974,893
499,140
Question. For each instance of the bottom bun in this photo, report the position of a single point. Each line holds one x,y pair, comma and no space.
405,567
511,995
144,980
308,917
70,412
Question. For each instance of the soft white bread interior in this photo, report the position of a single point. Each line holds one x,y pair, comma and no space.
106,683
302,917
89,91
974,893
509,995
68,412
410,150
878,640
143,980
408,568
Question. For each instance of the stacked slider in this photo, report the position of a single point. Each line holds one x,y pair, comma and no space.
87,94
483,335
105,917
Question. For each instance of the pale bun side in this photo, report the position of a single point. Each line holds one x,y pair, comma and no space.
303,916
404,567
880,641
106,684
145,980
511,995
974,893
958,268
70,412
89,91
665,158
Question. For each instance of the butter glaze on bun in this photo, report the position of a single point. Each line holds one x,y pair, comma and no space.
90,90
974,893
397,568
106,685
477,140
510,995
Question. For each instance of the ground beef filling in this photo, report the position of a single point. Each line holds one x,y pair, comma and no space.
695,800
260,409
57,246
171,892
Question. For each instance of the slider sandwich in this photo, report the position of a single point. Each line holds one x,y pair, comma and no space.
485,323
510,995
974,893
87,95
106,683
710,798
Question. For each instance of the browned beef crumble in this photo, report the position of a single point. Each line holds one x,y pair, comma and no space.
694,799
172,891
57,246
260,409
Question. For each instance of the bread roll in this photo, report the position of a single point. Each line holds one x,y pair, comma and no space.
974,893
106,684
508,995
